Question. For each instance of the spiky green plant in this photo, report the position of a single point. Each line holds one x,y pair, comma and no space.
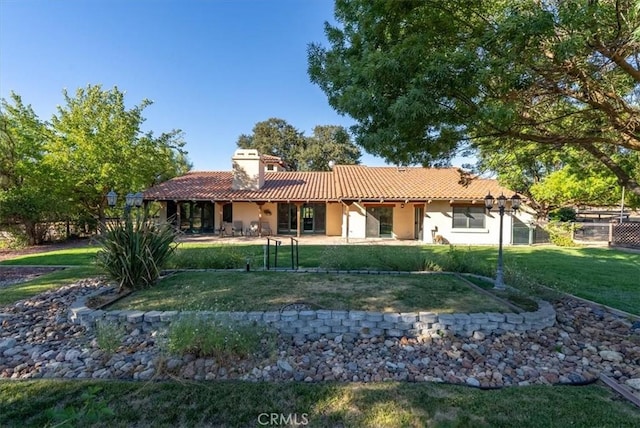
134,252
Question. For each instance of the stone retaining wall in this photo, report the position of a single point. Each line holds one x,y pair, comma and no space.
310,324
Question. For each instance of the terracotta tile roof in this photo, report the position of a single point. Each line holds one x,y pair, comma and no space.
391,183
195,185
216,185
349,182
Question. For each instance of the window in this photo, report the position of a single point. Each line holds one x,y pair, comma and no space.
227,213
270,167
468,217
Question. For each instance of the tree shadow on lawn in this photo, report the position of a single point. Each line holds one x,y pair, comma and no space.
269,291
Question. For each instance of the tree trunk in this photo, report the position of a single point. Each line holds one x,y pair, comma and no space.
30,231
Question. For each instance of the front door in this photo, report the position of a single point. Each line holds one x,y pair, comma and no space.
307,219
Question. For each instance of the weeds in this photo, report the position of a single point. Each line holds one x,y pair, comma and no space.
202,337
93,410
109,336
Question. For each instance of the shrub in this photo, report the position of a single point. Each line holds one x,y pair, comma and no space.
109,336
134,253
563,214
13,237
216,257
191,334
456,260
560,234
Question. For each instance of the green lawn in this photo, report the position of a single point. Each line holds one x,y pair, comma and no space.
82,256
242,291
389,404
44,283
605,276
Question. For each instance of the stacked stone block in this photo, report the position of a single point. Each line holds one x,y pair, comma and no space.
309,324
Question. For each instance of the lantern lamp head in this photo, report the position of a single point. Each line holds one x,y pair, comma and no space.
488,201
112,197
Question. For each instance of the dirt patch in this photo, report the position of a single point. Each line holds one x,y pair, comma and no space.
10,275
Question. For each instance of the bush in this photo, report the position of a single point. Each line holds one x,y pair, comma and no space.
563,214
457,260
134,253
14,238
216,257
203,337
109,336
560,234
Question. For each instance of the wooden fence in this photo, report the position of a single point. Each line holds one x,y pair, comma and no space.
625,234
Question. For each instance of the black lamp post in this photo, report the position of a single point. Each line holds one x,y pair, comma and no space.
502,202
131,200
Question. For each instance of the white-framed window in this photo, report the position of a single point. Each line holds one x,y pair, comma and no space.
469,217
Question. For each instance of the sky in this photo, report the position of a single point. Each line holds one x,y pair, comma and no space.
213,68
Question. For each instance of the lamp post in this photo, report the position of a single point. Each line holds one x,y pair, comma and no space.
502,202
131,200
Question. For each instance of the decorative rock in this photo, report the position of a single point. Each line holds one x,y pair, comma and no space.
471,381
612,356
37,341
633,383
72,355
284,365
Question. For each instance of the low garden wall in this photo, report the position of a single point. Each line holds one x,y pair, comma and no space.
314,324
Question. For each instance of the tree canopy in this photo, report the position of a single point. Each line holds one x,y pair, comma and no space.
425,78
300,153
64,168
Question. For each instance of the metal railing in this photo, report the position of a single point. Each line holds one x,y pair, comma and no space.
267,253
276,243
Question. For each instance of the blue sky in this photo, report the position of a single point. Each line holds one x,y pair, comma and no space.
212,68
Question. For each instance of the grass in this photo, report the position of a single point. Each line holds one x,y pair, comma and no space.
82,256
242,291
50,281
602,275
388,404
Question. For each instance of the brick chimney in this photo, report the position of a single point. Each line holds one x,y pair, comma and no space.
248,170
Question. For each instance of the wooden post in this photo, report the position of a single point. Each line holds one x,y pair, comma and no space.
299,218
260,204
610,233
347,205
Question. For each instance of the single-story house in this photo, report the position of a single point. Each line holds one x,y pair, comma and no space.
258,196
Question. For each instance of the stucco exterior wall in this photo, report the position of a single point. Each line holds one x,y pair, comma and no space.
439,221
334,219
246,212
357,221
403,226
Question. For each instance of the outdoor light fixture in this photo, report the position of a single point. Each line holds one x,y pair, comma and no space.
131,200
502,203
111,198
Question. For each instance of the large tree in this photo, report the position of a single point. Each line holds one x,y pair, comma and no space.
62,169
99,144
28,194
300,153
329,143
275,137
425,78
